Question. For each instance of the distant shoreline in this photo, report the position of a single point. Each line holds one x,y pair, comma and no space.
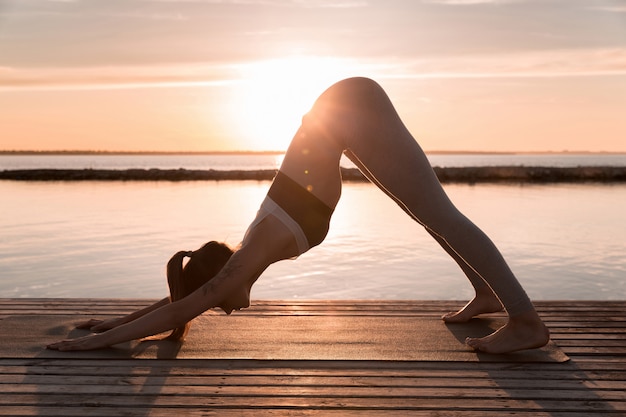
139,153
470,175
164,153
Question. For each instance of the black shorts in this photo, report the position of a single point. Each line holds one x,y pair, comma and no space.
311,213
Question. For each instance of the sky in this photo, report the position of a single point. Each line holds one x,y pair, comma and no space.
233,75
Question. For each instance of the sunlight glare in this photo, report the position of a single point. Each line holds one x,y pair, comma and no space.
274,95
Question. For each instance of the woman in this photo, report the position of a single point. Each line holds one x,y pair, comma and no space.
356,118
203,265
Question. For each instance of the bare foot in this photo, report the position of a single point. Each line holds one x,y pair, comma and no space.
525,331
478,305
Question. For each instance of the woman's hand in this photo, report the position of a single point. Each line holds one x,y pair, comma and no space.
91,342
97,325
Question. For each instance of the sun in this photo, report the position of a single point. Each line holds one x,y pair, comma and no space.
273,95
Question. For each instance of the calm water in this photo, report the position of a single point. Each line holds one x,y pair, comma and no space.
260,161
113,239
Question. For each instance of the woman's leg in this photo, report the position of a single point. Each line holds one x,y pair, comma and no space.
358,116
485,301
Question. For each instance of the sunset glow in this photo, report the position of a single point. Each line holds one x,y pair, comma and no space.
148,75
272,97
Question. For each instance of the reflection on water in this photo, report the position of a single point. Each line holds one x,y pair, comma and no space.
112,239
246,161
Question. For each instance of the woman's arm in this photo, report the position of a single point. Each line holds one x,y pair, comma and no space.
268,242
98,325
235,275
160,320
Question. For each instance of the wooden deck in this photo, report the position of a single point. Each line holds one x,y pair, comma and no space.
592,383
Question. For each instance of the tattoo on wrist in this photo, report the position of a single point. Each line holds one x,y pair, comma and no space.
229,270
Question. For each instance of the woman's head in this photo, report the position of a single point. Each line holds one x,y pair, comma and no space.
202,266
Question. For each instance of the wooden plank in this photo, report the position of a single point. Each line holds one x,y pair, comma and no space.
14,393
301,401
259,389
32,382
276,412
399,368
592,384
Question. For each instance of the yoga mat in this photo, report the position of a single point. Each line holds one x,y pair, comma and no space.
280,338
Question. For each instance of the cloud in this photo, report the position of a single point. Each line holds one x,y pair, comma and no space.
309,4
470,2
114,77
611,9
550,63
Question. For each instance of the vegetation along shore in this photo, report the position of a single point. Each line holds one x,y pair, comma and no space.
446,174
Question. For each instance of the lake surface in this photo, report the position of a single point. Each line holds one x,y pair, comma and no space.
267,161
113,239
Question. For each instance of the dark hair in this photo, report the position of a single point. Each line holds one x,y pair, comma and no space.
203,265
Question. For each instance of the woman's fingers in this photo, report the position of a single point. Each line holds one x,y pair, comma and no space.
82,343
58,345
97,325
103,326
89,324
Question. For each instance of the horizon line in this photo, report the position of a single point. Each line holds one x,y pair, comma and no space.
277,152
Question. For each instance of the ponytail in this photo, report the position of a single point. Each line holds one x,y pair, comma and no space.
203,265
175,282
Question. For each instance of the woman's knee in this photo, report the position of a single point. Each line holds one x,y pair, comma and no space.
353,92
347,106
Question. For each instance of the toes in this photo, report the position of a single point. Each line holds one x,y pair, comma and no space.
456,317
473,343
447,316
